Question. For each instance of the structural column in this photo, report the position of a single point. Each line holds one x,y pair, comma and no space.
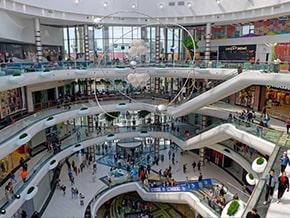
37,37
86,42
156,147
202,150
207,42
157,45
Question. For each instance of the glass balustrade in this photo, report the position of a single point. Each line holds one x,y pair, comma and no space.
10,68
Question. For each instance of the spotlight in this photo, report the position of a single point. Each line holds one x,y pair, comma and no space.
3,211
18,196
133,5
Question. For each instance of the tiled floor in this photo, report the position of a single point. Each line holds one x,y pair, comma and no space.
88,188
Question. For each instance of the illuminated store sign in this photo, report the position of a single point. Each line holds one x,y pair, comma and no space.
281,87
236,48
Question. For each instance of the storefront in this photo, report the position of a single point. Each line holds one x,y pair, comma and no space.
235,53
276,99
249,97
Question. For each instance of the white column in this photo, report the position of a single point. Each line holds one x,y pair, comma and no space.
157,44
37,36
86,42
207,42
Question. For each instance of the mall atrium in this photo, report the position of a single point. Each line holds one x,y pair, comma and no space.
113,88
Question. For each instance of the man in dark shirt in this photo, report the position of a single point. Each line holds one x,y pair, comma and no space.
253,214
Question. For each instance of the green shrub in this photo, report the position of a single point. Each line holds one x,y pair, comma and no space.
111,135
122,103
260,161
84,108
50,118
77,145
30,189
251,176
22,136
46,70
233,208
144,131
16,74
52,162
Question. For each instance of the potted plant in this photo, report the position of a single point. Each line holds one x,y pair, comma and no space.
31,192
234,208
16,77
50,121
161,68
23,139
122,106
122,69
250,179
46,73
143,133
77,147
52,164
83,110
110,137
259,164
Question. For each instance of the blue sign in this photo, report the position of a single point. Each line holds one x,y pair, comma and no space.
182,187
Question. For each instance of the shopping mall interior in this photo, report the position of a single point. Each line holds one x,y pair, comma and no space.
135,108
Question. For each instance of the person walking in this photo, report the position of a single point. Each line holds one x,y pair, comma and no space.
284,161
198,166
200,177
283,184
253,214
287,123
271,182
193,166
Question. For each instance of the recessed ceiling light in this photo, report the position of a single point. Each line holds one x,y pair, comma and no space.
133,5
161,6
189,4
218,1
105,4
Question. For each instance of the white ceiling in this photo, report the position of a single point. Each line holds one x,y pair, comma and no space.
67,12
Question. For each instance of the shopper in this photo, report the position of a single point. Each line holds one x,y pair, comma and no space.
283,184
271,182
287,123
253,214
284,161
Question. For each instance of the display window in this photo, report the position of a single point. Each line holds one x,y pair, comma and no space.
11,101
246,97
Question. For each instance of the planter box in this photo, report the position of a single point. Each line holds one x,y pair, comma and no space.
52,165
51,122
24,140
259,168
45,74
84,111
122,70
161,70
122,107
239,212
144,134
31,194
16,79
249,180
110,138
77,147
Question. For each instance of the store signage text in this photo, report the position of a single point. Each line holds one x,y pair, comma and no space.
236,48
280,87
